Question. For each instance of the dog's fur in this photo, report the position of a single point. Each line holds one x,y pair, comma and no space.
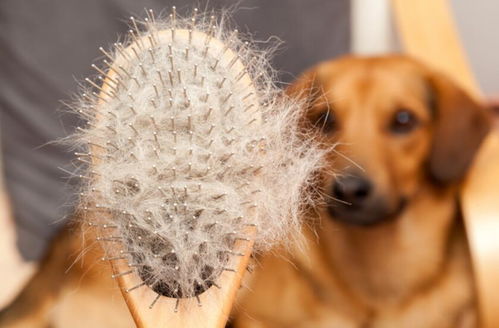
399,259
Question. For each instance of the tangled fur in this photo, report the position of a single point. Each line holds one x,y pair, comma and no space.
184,156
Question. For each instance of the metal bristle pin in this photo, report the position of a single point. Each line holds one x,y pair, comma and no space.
178,225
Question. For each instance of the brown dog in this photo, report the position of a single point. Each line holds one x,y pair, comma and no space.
387,250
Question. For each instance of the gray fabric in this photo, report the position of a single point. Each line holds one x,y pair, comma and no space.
47,45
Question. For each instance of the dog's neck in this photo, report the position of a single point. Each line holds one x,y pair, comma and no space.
387,263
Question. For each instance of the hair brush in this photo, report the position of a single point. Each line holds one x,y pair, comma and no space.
194,158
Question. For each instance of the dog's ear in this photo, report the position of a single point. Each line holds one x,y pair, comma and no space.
460,126
305,87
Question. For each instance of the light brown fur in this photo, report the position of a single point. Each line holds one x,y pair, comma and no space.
411,271
72,288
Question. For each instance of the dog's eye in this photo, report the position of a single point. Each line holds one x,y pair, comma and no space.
403,121
326,121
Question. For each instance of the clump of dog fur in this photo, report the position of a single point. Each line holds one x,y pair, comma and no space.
176,179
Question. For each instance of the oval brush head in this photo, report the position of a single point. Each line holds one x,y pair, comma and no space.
191,149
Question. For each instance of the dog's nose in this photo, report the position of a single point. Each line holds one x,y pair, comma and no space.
354,190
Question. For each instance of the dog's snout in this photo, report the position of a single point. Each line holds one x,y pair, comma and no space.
356,200
354,190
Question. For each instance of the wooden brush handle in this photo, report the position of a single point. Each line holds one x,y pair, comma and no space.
215,303
429,33
213,306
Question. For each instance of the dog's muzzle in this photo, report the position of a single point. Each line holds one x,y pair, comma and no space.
354,200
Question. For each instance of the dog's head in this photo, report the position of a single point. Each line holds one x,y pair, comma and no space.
398,124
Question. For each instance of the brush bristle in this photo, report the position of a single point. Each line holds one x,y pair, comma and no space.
184,154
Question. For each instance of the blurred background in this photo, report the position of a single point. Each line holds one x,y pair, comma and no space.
47,46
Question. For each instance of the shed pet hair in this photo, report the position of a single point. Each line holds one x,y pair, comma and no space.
189,146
